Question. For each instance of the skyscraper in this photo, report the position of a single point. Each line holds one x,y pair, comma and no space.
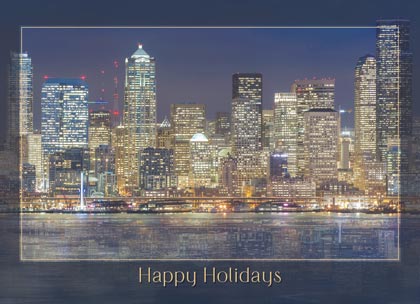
246,128
286,128
20,98
157,169
394,82
201,169
164,135
310,94
99,132
267,139
125,172
364,118
64,121
139,116
321,144
365,105
186,120
394,99
99,128
246,112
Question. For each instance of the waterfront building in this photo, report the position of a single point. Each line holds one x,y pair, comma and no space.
65,168
292,188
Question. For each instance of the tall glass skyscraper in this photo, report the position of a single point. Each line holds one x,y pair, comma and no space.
364,119
394,97
246,137
64,120
365,105
246,112
139,116
394,82
20,98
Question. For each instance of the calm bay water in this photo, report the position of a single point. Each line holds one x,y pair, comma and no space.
304,281
209,236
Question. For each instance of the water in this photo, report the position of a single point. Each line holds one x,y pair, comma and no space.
112,282
276,236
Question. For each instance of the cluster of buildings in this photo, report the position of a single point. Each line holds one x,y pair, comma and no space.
297,149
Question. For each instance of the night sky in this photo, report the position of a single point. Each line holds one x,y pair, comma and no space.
196,65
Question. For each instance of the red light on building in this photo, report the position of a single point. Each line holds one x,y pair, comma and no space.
83,77
116,113
45,77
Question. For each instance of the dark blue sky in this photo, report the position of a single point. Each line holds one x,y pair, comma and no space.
196,64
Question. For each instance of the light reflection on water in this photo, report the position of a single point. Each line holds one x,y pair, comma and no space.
210,236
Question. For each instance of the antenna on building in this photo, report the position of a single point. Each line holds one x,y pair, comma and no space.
115,107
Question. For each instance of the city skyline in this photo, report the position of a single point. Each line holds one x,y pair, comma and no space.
212,54
301,128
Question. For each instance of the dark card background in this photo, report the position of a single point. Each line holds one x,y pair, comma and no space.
303,282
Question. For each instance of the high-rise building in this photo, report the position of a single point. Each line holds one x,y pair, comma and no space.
64,120
139,115
364,118
201,167
65,170
278,165
268,141
20,98
34,156
286,127
99,133
394,100
246,126
321,144
125,172
365,105
164,135
223,123
246,113
99,128
310,94
394,83
157,169
186,120
228,176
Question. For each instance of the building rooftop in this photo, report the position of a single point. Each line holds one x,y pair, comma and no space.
199,137
140,52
